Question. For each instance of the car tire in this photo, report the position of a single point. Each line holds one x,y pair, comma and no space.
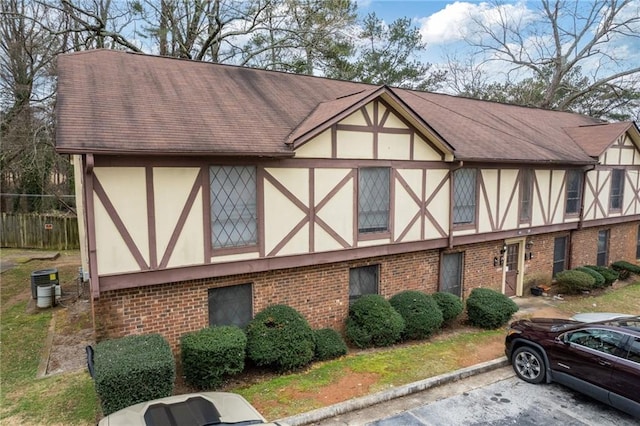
529,365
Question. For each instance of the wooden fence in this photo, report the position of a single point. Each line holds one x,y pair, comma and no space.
41,231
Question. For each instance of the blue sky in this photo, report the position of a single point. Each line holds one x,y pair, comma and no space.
444,24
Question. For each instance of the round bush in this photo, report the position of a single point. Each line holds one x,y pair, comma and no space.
372,321
625,269
574,282
450,305
489,309
211,354
420,312
329,344
610,276
599,279
279,337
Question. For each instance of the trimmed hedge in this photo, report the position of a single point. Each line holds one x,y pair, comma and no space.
211,354
279,337
597,276
421,314
625,269
610,276
329,344
372,321
133,369
450,305
489,309
574,282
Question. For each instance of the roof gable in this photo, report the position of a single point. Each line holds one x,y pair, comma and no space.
595,139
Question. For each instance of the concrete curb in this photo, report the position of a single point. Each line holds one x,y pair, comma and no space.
397,392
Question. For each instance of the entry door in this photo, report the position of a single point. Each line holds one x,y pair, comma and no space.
511,279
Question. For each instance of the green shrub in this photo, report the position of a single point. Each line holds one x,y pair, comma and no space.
279,337
133,369
625,269
597,276
329,344
211,354
574,282
489,309
420,312
609,275
372,321
450,305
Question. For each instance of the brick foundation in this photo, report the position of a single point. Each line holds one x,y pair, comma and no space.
321,293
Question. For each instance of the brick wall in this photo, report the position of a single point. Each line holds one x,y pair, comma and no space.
622,244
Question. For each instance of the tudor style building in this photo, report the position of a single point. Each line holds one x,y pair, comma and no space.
209,192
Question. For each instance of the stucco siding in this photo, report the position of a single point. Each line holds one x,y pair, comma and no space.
130,204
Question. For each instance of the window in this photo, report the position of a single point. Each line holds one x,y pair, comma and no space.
606,341
451,273
373,199
233,206
603,248
574,190
638,243
617,189
362,280
634,350
231,305
526,195
559,255
464,196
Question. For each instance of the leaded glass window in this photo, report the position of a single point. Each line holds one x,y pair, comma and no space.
233,206
464,196
373,199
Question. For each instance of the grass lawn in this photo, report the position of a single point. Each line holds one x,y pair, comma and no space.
70,399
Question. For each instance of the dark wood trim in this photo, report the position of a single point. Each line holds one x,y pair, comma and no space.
334,143
329,230
367,118
88,176
118,223
312,209
482,190
260,176
186,209
151,215
423,204
372,236
350,175
206,213
610,221
285,192
635,193
542,204
288,237
228,251
515,187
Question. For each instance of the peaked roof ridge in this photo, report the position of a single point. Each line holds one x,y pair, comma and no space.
595,138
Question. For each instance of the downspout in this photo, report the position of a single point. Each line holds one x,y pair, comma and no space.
459,166
581,215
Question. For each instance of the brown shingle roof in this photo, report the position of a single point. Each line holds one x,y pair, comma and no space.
596,138
118,102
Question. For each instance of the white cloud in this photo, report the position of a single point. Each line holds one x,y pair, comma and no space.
457,20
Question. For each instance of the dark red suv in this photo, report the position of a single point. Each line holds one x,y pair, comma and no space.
600,359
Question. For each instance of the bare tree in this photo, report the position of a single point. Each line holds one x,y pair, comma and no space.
28,49
569,50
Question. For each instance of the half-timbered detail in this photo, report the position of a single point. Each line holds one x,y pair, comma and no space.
203,204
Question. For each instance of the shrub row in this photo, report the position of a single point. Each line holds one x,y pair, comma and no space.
589,277
141,368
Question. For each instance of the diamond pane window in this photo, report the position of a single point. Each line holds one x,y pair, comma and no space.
617,189
233,206
362,280
574,188
373,199
464,196
231,305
